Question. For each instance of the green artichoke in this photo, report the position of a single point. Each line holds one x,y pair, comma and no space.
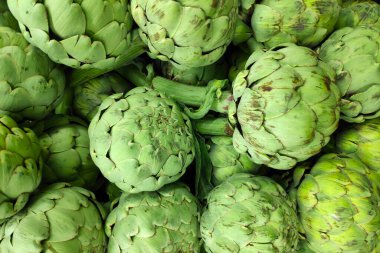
20,165
31,86
59,219
189,34
6,18
339,206
89,95
362,141
249,214
269,97
287,106
79,33
354,53
195,76
141,140
155,222
304,22
65,149
359,12
226,161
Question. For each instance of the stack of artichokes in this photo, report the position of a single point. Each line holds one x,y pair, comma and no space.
168,126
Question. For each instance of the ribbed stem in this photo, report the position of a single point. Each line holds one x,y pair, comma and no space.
134,75
216,127
208,98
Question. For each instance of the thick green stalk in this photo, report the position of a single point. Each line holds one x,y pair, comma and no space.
207,98
134,75
215,127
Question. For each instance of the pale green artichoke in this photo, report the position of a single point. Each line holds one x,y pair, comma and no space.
141,140
155,222
287,106
65,147
190,34
354,53
362,141
20,166
89,95
31,85
226,161
304,22
6,18
338,202
359,12
249,214
59,219
79,34
284,106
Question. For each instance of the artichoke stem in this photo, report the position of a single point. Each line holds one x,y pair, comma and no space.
136,77
196,95
217,127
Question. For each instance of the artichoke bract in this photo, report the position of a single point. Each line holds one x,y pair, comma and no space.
287,106
354,53
31,85
89,95
249,214
141,140
304,22
226,161
20,165
190,34
79,34
163,221
59,219
359,13
362,141
65,149
338,202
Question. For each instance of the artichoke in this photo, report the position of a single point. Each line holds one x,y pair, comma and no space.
304,22
273,92
339,206
141,140
59,219
79,34
189,34
65,149
6,18
20,165
31,86
354,53
268,98
163,221
89,95
249,214
226,161
362,141
358,13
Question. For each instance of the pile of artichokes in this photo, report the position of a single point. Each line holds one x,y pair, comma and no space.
175,126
